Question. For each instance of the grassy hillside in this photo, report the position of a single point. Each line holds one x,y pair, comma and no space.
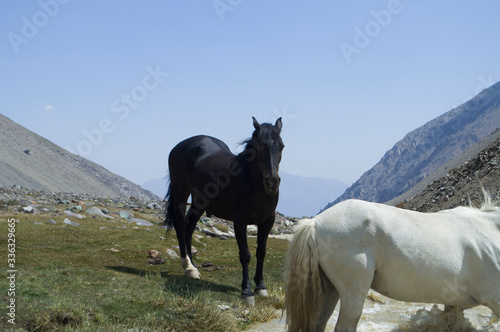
68,278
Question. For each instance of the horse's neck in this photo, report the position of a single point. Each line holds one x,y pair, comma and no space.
248,162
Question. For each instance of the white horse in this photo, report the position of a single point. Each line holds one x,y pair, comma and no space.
450,257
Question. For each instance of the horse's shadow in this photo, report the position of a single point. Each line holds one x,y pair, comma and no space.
178,283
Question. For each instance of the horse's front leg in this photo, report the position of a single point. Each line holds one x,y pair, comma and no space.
240,231
263,232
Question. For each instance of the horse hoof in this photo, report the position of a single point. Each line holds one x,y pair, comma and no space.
248,299
262,292
193,274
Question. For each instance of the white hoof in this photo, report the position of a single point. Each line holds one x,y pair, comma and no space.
249,300
192,273
261,292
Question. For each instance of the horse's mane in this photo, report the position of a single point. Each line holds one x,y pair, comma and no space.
489,204
265,133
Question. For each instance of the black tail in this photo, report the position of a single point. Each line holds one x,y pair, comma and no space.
169,210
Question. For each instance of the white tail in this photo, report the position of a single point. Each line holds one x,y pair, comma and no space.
303,287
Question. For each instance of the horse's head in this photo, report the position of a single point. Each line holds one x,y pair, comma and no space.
266,141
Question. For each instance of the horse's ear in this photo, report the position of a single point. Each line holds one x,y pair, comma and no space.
278,125
256,123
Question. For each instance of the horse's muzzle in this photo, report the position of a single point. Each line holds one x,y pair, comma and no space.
271,184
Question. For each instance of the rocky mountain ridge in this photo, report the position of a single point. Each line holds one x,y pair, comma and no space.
429,147
31,161
462,185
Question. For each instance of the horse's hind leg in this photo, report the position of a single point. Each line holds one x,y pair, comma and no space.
330,300
352,283
179,198
192,218
351,307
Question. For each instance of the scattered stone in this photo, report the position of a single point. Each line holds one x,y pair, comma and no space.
223,307
69,222
252,230
97,212
28,209
154,206
155,261
141,222
94,211
50,221
22,200
153,253
125,214
207,221
74,215
172,253
214,232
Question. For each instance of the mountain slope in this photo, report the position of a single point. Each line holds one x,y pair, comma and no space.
462,183
31,161
444,170
428,147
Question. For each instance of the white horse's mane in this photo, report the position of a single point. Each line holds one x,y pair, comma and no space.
489,204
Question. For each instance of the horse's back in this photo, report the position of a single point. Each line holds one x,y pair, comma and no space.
191,152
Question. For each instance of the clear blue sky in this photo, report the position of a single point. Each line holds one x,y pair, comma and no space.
121,82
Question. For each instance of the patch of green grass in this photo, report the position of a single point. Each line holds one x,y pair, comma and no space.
68,279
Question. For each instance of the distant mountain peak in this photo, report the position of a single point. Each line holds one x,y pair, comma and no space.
425,149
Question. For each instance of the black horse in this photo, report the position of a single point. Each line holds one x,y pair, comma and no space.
242,188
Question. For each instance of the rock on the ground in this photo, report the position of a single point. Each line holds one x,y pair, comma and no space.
141,222
69,222
172,253
97,212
